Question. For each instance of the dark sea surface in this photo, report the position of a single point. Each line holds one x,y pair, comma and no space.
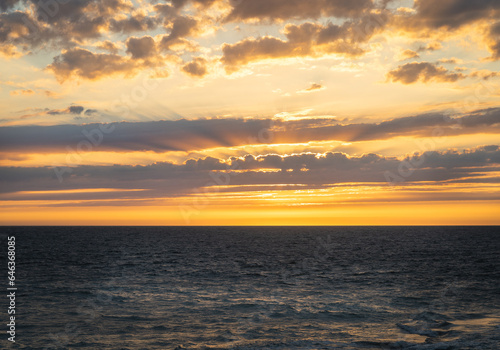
255,287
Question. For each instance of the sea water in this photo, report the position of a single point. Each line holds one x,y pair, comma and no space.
255,287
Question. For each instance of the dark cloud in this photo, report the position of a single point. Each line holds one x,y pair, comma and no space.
446,17
69,110
76,109
7,4
453,13
423,72
196,68
182,26
166,11
307,170
144,47
89,112
137,23
48,112
494,41
18,28
65,24
298,9
178,4
190,135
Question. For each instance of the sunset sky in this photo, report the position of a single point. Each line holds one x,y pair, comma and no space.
249,112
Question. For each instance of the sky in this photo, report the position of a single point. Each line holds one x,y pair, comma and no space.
249,112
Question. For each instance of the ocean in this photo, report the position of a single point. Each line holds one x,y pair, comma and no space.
254,288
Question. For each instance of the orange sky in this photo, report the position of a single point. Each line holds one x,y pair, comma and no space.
250,112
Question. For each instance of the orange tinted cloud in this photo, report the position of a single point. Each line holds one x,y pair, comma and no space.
196,68
22,92
423,72
306,39
81,63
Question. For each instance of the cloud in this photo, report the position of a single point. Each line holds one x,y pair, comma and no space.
9,51
306,39
196,68
50,94
144,47
81,63
449,14
191,135
134,23
22,92
18,29
484,74
452,60
64,25
454,13
28,92
423,72
408,54
50,112
433,46
7,4
182,26
297,9
76,109
312,88
493,39
90,112
108,46
308,170
430,18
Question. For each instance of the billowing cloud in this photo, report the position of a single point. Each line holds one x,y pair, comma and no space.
430,18
81,63
453,13
144,47
196,68
58,24
423,72
182,26
307,170
306,39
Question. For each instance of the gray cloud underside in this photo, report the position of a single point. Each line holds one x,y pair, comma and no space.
190,135
307,170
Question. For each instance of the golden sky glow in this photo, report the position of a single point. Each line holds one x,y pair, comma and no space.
249,112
